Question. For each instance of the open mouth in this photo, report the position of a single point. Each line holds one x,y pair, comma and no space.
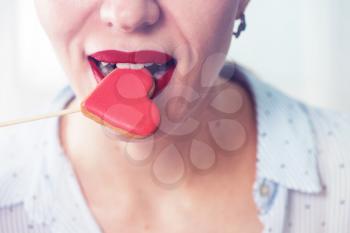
160,65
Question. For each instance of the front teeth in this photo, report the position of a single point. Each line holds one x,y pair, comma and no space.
130,66
123,65
137,66
157,70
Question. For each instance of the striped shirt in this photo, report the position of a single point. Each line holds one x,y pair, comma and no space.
302,183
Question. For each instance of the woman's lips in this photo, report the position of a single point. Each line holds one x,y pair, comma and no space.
143,56
138,57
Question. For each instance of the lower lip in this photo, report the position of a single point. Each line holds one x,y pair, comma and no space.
160,83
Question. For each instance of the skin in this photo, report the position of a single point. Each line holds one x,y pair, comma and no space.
122,195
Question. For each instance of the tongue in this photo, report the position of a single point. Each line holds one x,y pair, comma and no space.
121,102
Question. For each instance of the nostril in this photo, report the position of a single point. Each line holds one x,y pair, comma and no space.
126,27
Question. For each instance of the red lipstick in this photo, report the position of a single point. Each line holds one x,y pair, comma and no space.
113,57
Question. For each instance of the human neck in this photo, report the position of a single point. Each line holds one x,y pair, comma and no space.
102,161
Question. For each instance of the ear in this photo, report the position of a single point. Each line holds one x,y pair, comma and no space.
242,7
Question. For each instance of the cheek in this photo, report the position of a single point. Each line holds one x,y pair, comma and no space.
206,25
61,18
63,21
215,21
206,33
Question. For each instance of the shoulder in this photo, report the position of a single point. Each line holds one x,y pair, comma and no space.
22,151
20,142
20,154
14,143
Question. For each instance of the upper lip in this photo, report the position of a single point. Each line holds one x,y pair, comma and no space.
142,56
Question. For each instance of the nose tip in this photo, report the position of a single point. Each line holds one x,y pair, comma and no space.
129,16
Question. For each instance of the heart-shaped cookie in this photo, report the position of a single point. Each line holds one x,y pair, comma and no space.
122,102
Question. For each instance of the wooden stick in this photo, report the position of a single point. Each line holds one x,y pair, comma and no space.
39,117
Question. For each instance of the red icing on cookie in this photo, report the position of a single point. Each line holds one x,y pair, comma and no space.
121,102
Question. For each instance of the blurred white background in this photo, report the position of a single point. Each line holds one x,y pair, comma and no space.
301,47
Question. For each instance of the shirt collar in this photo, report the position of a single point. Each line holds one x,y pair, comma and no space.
287,151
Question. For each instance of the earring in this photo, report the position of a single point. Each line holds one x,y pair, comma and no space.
242,26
